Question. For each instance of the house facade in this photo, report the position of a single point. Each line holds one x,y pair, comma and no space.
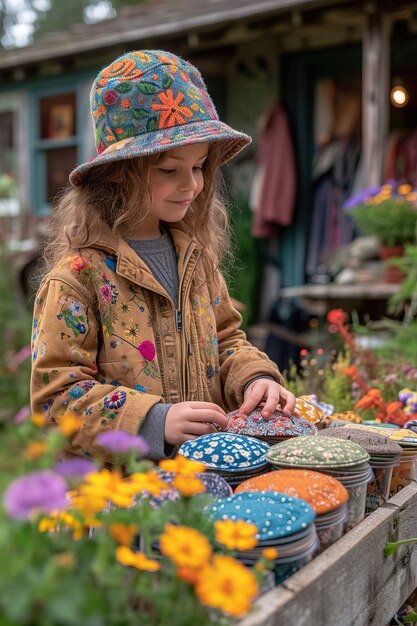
252,53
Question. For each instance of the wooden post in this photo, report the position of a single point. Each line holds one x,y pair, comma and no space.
375,92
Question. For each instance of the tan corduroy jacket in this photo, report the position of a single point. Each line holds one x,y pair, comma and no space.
108,342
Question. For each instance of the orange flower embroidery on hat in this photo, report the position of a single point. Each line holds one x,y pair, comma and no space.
145,58
123,70
125,103
172,112
102,82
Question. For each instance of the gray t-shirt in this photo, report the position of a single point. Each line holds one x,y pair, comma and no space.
161,258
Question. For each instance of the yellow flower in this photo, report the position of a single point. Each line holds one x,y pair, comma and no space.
188,485
227,585
149,481
109,486
239,535
404,189
181,465
38,419
69,424
34,450
123,533
61,521
126,556
87,504
411,197
186,547
270,554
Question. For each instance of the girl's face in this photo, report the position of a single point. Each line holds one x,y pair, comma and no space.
174,182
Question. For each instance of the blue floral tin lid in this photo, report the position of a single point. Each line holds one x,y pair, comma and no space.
274,514
226,451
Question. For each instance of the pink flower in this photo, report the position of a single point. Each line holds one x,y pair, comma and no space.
147,350
106,293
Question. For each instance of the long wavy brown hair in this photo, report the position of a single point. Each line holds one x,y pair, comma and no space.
117,194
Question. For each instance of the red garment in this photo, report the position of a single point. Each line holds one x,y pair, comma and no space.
275,205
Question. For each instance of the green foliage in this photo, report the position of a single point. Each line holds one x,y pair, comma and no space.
337,387
74,570
393,221
15,330
406,297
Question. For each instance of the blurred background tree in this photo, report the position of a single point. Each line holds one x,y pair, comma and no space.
23,21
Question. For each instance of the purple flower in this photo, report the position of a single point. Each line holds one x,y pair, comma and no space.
21,415
74,468
361,197
40,491
121,442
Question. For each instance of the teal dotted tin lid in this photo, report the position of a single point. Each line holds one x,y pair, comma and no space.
226,451
316,452
274,514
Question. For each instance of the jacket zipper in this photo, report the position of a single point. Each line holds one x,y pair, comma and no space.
179,323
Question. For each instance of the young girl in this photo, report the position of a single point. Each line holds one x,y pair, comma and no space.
133,326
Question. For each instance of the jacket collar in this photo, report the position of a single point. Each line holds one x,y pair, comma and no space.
131,266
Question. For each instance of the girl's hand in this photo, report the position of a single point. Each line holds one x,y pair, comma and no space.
189,420
270,394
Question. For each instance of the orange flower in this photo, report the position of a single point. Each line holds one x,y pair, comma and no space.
352,371
148,482
38,419
227,585
34,450
69,424
188,574
126,556
172,112
270,554
188,485
371,399
181,465
239,535
123,533
185,546
78,263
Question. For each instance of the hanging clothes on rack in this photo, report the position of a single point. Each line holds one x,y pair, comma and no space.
274,186
334,175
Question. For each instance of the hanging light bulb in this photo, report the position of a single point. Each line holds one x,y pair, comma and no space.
399,95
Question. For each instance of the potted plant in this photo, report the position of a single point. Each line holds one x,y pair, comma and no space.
390,213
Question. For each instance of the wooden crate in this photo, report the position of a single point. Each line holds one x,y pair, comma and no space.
351,583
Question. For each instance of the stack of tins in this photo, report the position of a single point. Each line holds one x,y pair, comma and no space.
326,496
284,523
344,460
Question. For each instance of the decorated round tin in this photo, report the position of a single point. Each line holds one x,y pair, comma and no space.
278,426
323,493
227,452
274,514
316,452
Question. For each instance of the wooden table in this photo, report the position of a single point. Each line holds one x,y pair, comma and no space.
351,583
318,299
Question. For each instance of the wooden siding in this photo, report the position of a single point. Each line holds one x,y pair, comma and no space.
351,583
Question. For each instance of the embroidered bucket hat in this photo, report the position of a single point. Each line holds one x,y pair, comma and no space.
148,101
